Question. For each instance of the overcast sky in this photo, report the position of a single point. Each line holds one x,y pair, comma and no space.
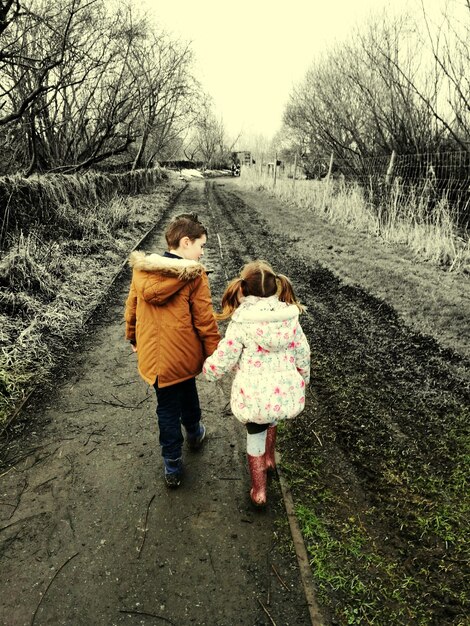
250,53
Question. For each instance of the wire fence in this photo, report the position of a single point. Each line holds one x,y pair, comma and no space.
425,178
378,201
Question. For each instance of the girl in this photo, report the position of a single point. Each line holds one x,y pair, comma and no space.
266,346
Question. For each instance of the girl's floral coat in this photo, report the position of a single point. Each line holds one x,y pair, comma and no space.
266,346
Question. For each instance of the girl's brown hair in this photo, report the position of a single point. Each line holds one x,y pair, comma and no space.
184,225
257,278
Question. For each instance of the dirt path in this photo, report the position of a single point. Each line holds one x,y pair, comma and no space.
90,535
89,532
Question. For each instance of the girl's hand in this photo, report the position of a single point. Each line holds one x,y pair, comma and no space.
134,348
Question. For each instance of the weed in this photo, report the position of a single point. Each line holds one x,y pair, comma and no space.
343,560
356,576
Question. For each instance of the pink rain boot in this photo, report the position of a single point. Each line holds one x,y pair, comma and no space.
257,467
270,445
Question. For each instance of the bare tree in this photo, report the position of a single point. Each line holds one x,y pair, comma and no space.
449,42
210,135
27,57
82,84
190,145
166,92
368,97
9,11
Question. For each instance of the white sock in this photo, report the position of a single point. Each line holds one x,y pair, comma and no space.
256,443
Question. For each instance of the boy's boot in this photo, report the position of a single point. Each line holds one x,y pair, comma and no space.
195,441
173,472
270,446
257,467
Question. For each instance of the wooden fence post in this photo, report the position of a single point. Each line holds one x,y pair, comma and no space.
389,173
275,169
327,182
295,173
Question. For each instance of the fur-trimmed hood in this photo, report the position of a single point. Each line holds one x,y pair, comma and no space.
158,278
184,269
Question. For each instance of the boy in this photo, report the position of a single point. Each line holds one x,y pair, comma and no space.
171,325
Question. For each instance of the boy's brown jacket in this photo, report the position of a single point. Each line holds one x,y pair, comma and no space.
169,317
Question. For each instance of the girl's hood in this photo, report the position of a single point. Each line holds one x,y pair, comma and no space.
269,322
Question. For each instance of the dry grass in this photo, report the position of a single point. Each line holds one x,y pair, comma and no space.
27,267
401,219
53,277
64,202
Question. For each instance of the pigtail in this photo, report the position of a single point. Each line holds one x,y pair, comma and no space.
286,292
230,299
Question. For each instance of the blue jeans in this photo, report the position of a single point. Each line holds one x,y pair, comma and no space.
177,404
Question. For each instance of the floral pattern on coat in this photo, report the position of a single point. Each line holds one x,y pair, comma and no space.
266,346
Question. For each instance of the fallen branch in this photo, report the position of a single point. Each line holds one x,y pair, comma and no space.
20,458
130,612
25,456
129,382
267,613
145,527
101,402
50,583
20,495
45,482
268,594
117,399
94,432
138,404
120,406
278,577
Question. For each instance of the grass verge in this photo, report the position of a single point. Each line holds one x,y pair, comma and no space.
399,219
53,278
384,515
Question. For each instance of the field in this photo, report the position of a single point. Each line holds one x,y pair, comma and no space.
377,463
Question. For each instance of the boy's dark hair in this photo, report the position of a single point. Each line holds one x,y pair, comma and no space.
184,225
